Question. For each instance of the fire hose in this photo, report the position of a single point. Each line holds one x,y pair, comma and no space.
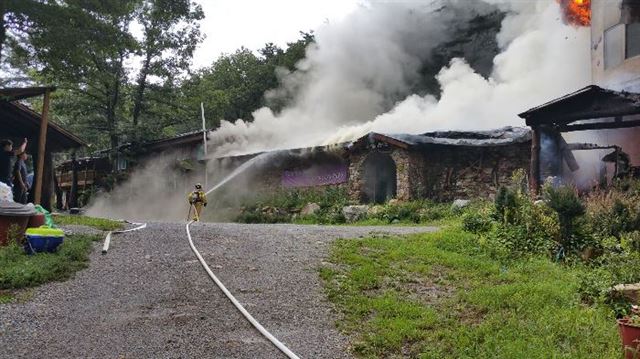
236,303
107,239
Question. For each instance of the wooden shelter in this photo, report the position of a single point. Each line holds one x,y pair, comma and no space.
591,108
18,121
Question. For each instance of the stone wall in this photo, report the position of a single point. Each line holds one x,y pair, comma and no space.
409,174
470,172
437,172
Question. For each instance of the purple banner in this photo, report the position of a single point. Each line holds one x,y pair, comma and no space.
315,176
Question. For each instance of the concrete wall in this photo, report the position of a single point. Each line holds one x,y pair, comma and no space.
607,15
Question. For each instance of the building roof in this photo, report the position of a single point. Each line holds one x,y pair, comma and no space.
490,138
10,94
590,102
18,120
161,144
498,137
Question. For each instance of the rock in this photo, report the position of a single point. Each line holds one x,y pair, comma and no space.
629,291
394,202
460,203
374,210
310,209
354,213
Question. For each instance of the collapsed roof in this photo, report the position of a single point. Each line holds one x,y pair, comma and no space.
498,137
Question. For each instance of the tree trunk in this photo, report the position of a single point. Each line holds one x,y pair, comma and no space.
113,97
142,84
3,31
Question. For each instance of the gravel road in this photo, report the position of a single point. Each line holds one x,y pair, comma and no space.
150,298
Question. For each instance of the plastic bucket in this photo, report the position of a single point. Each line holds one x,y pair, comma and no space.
36,220
630,335
43,239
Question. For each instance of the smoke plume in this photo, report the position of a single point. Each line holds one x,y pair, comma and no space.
361,75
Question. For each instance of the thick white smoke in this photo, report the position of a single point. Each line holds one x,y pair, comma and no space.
358,76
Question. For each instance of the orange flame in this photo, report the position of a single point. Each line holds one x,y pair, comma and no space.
576,12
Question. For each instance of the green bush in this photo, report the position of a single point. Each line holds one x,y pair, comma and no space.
476,222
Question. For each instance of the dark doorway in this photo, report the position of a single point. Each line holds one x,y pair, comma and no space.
379,178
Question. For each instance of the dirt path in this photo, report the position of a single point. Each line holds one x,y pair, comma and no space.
150,298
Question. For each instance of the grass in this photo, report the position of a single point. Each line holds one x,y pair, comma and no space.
439,295
99,223
18,270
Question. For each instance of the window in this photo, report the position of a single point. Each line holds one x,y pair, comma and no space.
614,46
121,164
633,40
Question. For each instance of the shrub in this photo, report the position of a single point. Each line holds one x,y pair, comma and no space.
568,207
476,222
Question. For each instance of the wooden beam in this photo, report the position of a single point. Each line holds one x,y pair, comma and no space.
47,182
42,142
73,194
599,126
534,175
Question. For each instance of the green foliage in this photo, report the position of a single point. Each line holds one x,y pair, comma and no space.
477,221
18,270
440,295
521,227
102,224
568,206
280,207
420,211
285,206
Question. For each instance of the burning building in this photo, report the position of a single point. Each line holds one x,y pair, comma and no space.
377,167
594,115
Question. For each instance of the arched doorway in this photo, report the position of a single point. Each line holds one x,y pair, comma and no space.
378,178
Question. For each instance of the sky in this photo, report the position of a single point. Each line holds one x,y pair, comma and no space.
230,24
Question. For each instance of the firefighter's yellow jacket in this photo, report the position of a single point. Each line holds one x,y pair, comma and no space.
197,196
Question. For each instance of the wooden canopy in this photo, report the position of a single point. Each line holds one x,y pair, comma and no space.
18,121
591,102
10,94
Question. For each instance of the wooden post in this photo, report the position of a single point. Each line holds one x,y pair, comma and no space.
42,148
57,189
47,181
73,194
534,175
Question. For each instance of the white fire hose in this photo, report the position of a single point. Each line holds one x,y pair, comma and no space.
236,303
107,239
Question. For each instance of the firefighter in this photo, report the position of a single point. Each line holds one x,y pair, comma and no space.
197,199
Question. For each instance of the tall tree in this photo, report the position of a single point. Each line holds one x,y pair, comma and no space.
171,34
90,50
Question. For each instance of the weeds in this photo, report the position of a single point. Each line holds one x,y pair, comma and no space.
102,224
18,270
441,295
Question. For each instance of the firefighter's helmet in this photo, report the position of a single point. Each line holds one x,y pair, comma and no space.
198,186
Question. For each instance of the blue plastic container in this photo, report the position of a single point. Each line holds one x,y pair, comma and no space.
43,239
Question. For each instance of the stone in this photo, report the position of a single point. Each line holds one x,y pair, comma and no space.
394,202
374,210
460,203
629,291
310,209
354,213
